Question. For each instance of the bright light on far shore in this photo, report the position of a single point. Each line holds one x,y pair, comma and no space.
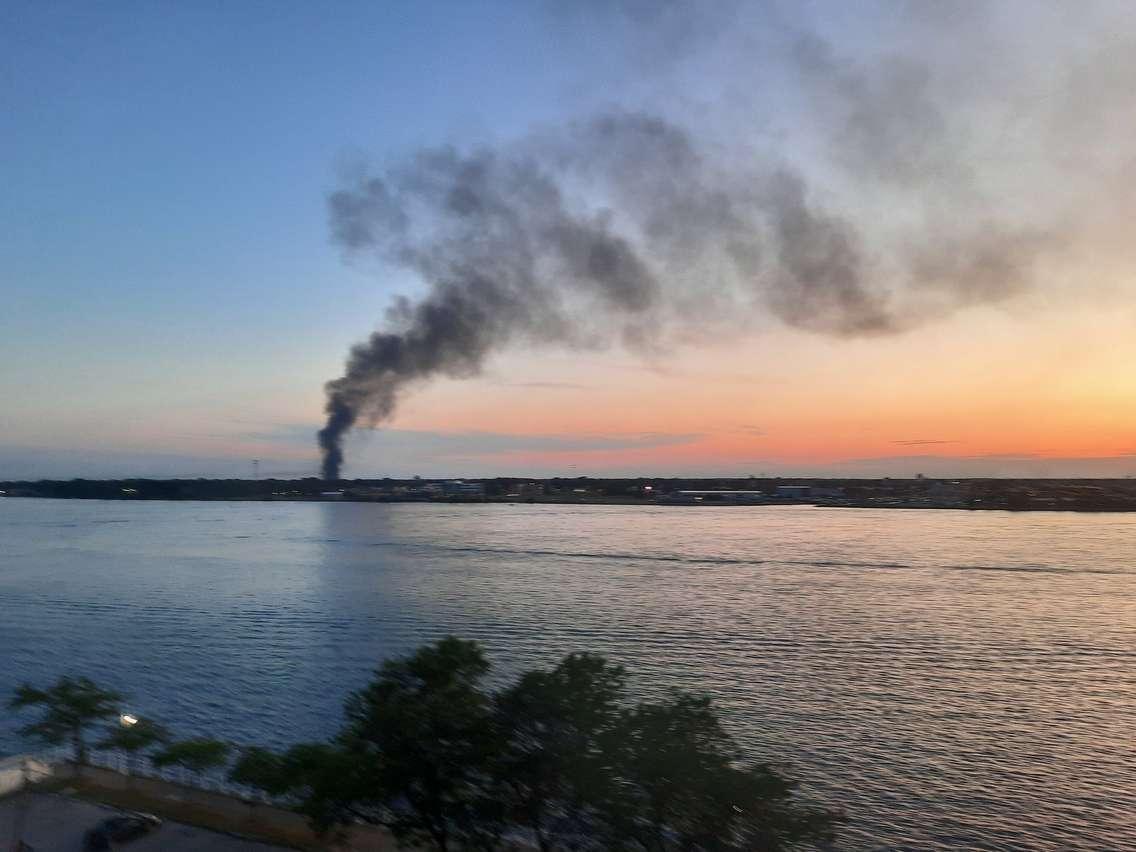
127,720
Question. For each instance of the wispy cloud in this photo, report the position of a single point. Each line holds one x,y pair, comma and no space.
481,443
57,463
502,443
922,442
547,385
1025,465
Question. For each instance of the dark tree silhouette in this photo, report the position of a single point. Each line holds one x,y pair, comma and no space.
424,725
197,755
681,786
135,738
559,760
71,706
328,783
556,728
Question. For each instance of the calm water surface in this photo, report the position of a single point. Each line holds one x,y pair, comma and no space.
957,680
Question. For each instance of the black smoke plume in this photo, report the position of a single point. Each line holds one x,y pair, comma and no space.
953,160
618,229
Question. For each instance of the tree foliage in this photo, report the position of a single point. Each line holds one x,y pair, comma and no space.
559,759
134,738
70,707
423,729
197,755
557,730
681,785
321,778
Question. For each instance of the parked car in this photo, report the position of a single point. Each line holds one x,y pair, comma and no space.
119,829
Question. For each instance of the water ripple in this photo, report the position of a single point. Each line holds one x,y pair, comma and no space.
956,680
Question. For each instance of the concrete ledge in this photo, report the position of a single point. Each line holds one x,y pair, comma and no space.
19,771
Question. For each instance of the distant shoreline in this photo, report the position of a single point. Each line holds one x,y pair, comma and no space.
609,502
598,501
1063,495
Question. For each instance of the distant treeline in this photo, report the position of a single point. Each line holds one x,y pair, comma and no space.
1017,494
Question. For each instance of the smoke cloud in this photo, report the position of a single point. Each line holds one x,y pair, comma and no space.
629,228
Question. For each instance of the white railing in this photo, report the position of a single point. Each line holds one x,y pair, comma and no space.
19,770
141,767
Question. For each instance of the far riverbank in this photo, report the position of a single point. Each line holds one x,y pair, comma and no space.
1081,495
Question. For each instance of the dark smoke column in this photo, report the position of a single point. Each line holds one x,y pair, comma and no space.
503,259
376,370
340,418
449,333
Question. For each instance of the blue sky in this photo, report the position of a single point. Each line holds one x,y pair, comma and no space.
165,165
163,239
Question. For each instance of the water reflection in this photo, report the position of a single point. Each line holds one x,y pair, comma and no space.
939,704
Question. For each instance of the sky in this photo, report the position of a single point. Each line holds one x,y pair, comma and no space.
175,293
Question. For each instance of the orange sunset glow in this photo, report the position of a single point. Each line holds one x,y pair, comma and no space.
1005,392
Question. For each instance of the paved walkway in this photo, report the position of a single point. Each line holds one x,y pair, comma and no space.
54,823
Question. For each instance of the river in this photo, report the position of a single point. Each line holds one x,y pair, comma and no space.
956,680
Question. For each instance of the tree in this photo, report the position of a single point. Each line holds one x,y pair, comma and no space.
559,758
555,732
323,779
70,707
681,786
135,737
196,755
261,768
424,735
